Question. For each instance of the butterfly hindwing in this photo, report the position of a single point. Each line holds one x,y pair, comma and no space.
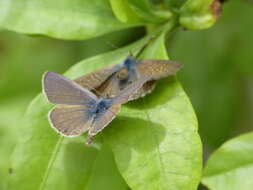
126,94
102,120
144,90
70,120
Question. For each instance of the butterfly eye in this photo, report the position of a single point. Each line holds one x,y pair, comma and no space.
122,74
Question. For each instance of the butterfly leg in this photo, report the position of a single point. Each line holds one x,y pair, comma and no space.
89,139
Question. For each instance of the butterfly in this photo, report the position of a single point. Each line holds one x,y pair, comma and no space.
78,109
110,80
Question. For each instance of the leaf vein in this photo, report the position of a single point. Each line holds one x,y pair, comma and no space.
157,149
51,162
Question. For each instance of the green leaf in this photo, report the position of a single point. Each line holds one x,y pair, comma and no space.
155,139
66,163
231,166
76,19
174,4
123,12
148,12
101,176
51,161
11,113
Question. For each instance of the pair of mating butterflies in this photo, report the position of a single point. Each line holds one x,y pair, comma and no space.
90,102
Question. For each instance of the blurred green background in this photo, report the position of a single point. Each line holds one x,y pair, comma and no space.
217,73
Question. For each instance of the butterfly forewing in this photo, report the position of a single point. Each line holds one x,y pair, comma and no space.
157,68
95,79
70,120
61,90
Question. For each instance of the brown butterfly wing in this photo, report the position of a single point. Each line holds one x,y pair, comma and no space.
147,88
110,88
97,78
125,95
157,68
70,120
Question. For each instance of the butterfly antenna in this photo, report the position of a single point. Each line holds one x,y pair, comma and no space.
112,45
131,54
144,46
89,139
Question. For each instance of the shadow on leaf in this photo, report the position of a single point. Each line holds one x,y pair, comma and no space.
78,158
157,96
133,135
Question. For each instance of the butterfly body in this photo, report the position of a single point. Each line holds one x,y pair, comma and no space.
101,105
128,70
129,63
